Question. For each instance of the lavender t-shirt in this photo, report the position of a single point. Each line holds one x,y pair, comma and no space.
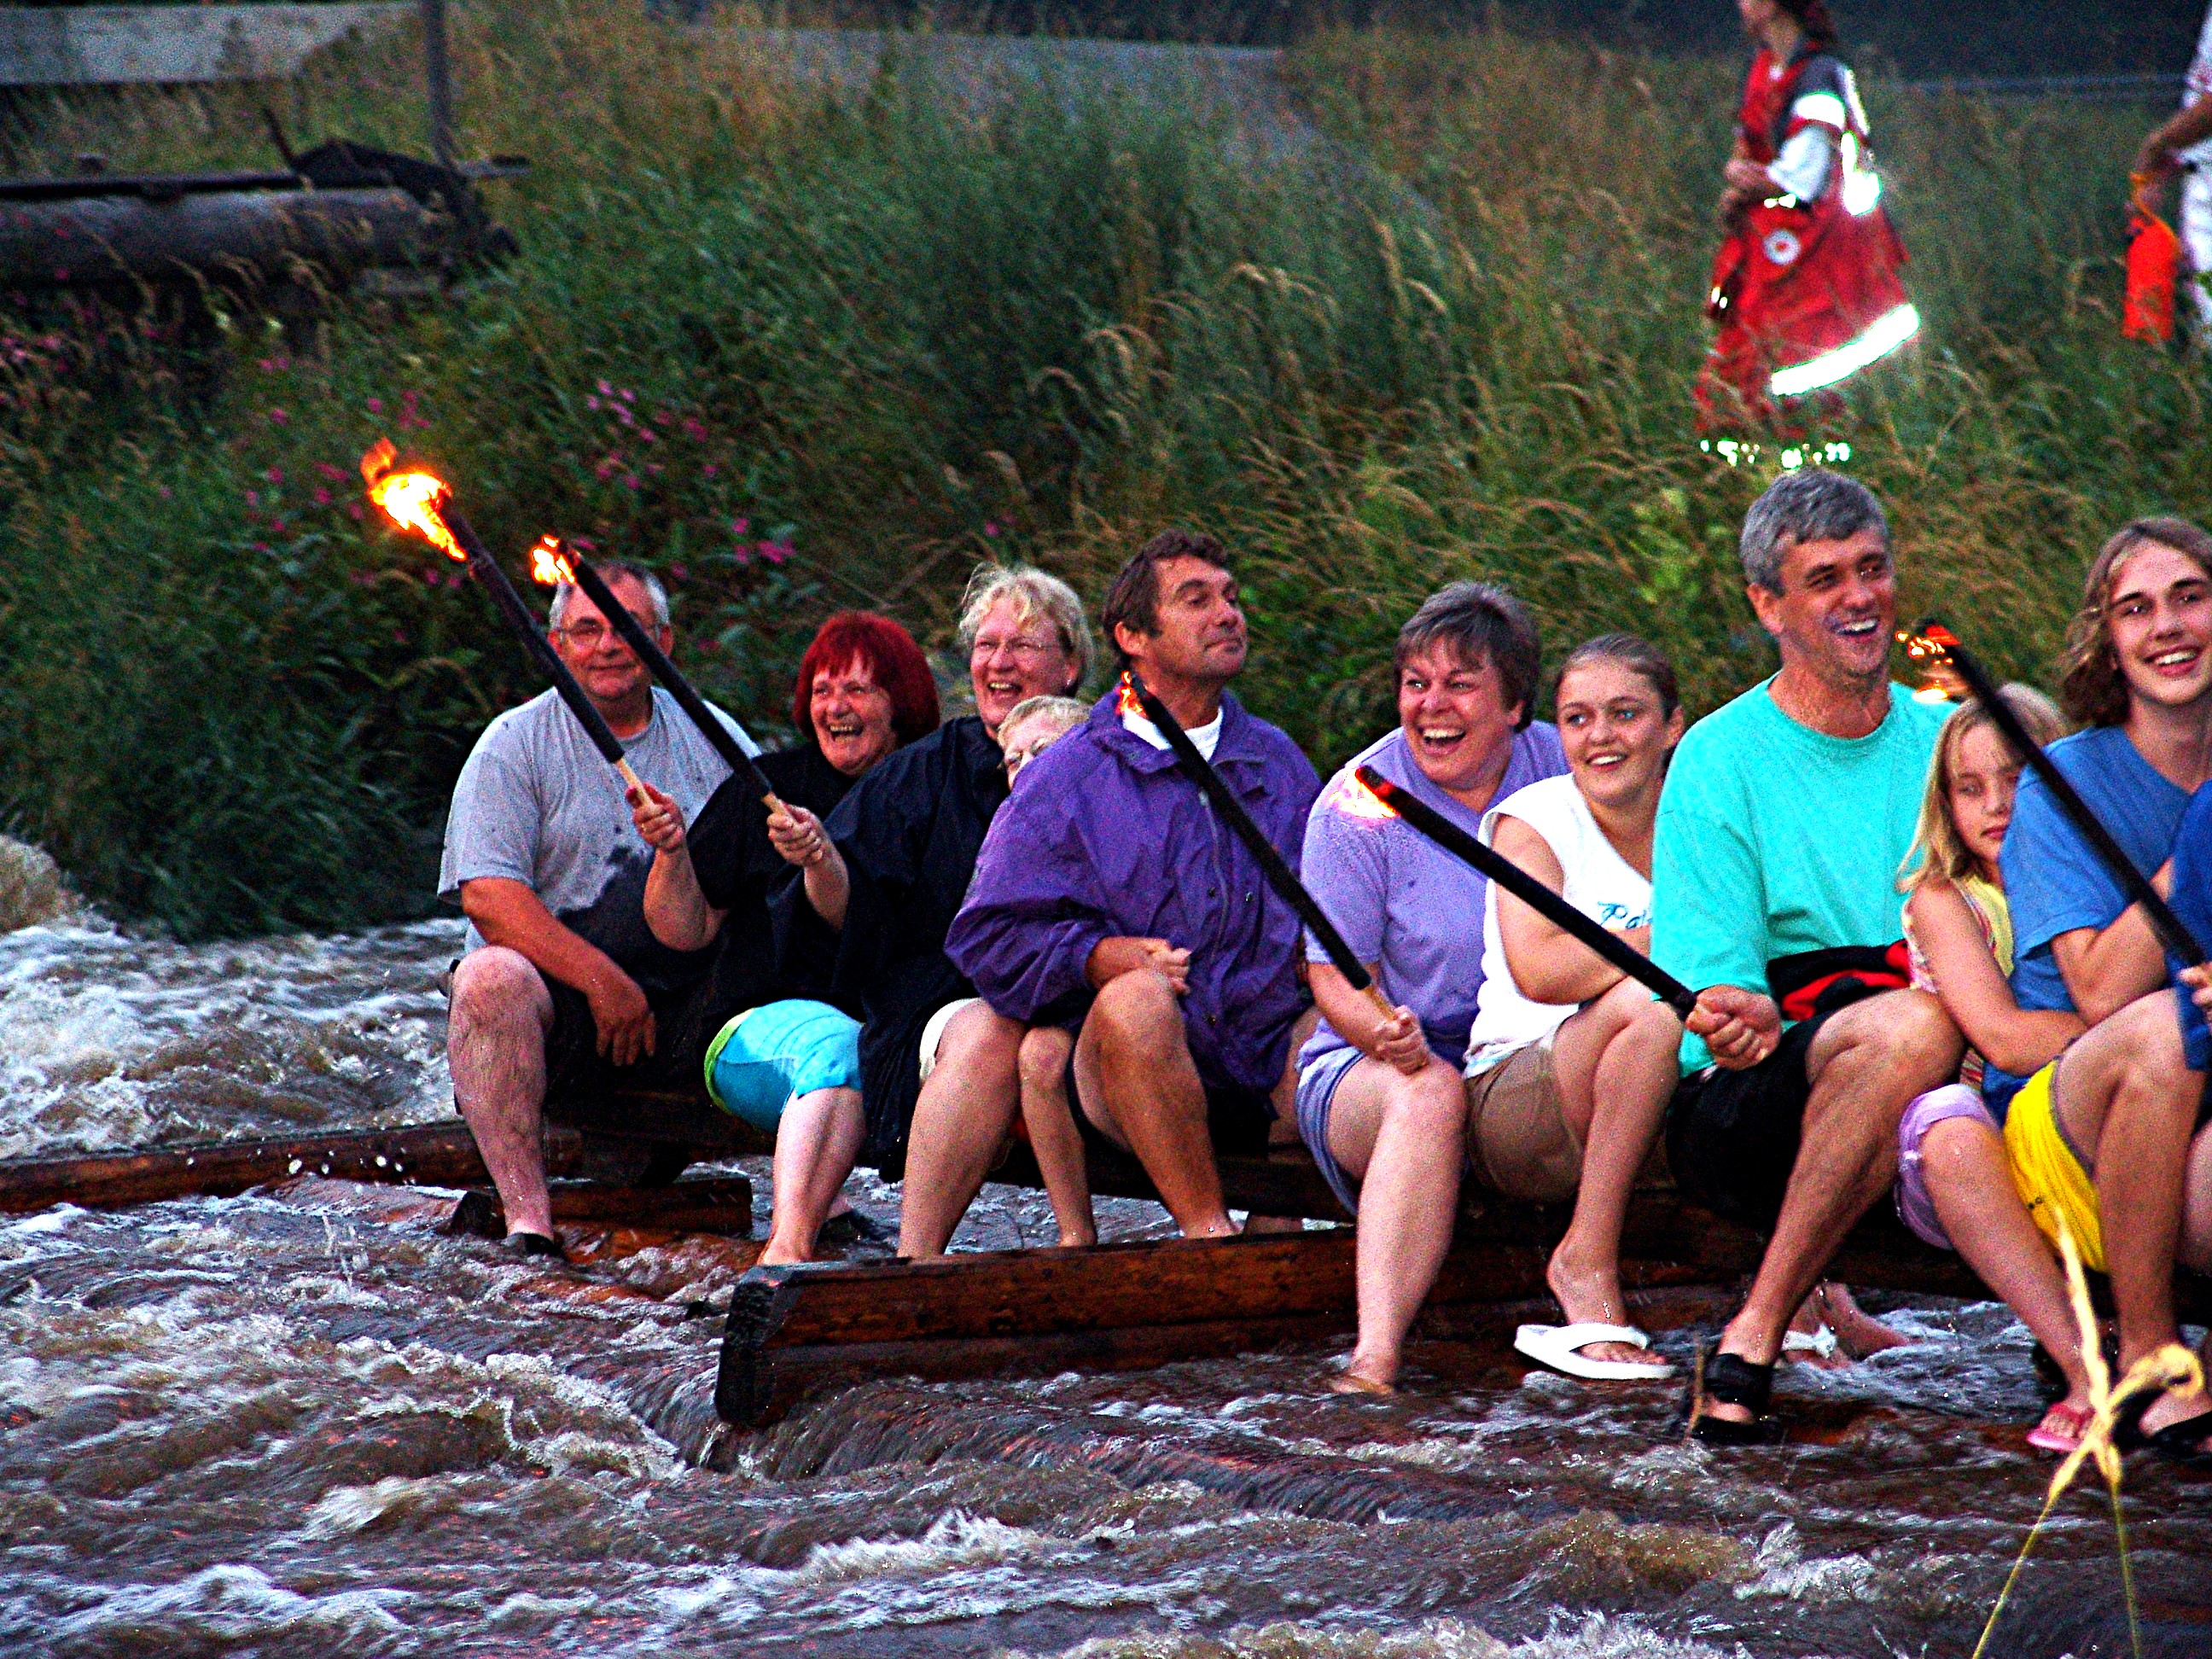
1401,900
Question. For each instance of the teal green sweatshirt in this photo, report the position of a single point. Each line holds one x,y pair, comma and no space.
1775,839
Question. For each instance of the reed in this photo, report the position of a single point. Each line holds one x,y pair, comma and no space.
799,355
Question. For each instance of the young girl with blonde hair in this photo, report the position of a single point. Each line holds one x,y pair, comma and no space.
1955,1187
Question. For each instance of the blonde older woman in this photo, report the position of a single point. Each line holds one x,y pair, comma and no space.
886,873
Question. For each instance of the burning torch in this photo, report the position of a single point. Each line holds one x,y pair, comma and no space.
1529,891
551,562
422,502
1293,892
2177,939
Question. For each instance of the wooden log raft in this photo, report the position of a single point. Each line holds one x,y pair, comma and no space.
716,1204
791,1331
429,1155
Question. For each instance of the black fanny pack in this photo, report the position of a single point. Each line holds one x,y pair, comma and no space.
1814,983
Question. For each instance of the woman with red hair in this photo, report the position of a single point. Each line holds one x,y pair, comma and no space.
864,689
787,1060
1805,287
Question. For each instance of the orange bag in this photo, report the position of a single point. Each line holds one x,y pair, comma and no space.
2154,270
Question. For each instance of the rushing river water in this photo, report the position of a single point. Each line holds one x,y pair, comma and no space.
302,1421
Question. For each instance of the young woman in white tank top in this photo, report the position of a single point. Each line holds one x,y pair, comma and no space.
1570,1063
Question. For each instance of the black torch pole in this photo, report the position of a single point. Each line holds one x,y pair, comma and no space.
1273,866
2176,939
494,581
1531,891
639,639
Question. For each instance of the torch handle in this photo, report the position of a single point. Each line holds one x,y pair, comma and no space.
1531,891
2172,935
1273,866
636,636
494,581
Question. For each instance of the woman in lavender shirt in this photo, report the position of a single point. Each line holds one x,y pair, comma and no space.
1380,1102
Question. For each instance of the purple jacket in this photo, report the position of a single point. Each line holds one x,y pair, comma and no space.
1106,836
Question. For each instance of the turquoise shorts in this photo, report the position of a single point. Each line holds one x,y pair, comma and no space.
768,1056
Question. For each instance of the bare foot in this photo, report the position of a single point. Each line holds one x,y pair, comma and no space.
1352,1383
1076,1241
1857,1332
1363,1375
1591,1295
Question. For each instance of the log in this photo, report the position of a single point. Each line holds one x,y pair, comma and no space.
126,238
716,1204
791,1331
1115,1307
432,1155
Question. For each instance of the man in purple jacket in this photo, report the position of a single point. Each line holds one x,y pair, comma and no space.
1108,880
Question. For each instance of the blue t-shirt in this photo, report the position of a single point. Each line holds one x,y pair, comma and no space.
2055,884
2191,901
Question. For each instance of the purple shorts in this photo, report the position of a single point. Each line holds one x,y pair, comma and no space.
1316,1093
1914,1207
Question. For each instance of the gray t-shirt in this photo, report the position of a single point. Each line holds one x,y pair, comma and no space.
536,803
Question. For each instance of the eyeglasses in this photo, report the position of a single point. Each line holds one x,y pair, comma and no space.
1023,650
589,635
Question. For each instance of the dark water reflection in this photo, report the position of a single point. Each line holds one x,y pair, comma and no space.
303,1422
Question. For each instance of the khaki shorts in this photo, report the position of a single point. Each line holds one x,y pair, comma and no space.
1520,1144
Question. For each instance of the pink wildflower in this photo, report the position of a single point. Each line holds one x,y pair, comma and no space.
322,496
376,405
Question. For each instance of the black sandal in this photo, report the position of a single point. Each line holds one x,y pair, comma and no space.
1731,1380
533,1244
2181,1443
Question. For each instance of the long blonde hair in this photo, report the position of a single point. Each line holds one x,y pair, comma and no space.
1938,854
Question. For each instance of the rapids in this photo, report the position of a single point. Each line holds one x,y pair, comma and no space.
302,1421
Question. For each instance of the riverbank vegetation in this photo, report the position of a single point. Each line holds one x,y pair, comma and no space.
801,352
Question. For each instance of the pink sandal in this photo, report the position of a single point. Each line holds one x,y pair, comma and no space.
2061,1430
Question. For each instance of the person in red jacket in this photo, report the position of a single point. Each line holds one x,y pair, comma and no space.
1806,287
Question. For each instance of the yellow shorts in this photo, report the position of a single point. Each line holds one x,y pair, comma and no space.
2051,1179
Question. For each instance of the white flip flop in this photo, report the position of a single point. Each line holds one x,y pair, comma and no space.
1561,1346
1820,1343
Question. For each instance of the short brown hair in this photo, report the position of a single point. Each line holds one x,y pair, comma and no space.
2095,691
1134,600
1481,623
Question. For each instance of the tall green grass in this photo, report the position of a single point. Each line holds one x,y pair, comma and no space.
801,355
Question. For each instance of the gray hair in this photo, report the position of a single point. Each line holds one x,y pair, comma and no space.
1034,594
1067,711
612,571
1809,505
1481,623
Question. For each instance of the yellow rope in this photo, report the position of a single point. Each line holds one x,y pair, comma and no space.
2172,1367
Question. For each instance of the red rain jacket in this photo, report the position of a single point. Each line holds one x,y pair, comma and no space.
1803,290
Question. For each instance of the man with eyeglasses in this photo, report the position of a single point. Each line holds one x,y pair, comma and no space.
561,986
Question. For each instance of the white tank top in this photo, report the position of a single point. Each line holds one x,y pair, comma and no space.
1600,884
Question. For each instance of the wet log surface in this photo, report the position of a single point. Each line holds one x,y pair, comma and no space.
791,1331
430,1154
711,1204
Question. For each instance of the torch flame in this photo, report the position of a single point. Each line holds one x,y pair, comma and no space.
548,564
1928,650
409,499
1126,700
1349,796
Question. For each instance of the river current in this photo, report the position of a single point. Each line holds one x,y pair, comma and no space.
302,1421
